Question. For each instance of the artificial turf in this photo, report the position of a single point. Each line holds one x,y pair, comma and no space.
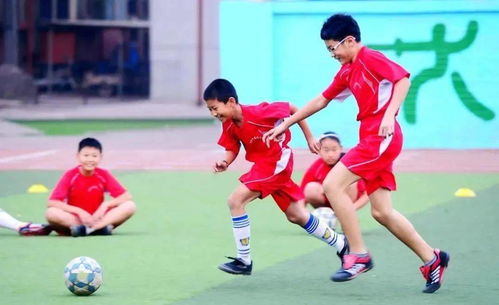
78,127
168,252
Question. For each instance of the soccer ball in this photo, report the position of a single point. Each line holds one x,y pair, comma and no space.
326,215
83,275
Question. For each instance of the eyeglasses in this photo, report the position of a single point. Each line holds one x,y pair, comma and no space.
333,49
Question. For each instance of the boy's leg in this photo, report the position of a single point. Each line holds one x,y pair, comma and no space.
239,198
23,228
61,221
397,224
237,201
299,215
335,187
358,260
9,222
116,216
435,261
352,191
314,194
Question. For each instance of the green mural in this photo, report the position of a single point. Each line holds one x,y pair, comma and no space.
442,51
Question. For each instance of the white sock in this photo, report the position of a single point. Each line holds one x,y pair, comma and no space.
89,230
319,229
9,222
241,228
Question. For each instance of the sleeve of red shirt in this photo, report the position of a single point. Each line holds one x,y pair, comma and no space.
309,176
61,189
113,186
338,85
384,68
228,139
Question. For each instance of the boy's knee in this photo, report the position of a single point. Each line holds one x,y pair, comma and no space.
292,218
297,214
52,214
234,203
331,187
313,190
130,207
380,215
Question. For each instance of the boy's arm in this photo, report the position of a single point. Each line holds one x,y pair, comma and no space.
222,165
400,90
310,108
99,213
114,202
312,144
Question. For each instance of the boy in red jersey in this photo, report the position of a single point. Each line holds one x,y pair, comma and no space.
330,152
379,86
77,206
270,173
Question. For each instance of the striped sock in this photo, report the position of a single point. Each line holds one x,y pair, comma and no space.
319,229
241,228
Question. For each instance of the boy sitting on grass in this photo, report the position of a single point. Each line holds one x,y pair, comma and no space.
77,205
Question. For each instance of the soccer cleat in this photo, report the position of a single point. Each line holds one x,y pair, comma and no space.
107,230
346,249
79,230
434,273
353,265
35,229
236,266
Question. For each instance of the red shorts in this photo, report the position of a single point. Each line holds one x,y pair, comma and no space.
372,158
261,178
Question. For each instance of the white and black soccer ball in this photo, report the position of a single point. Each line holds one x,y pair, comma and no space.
327,215
83,275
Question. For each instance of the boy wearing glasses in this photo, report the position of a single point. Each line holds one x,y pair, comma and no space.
379,85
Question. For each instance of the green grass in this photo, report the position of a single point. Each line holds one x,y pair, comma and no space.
168,252
465,227
77,127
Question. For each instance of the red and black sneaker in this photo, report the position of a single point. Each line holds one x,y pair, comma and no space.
434,272
353,265
34,229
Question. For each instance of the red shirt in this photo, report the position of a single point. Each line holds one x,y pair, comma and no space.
318,171
258,119
370,78
86,192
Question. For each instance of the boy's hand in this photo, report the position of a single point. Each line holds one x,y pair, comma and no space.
313,145
100,211
86,218
275,134
387,126
220,166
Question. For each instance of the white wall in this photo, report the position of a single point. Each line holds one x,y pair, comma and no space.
174,48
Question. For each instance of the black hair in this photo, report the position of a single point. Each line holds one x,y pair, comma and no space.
330,135
89,142
220,90
339,26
